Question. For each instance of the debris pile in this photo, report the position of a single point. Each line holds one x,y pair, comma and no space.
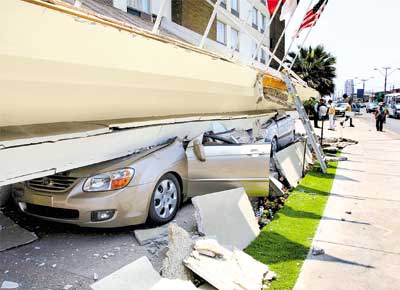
214,259
226,269
333,145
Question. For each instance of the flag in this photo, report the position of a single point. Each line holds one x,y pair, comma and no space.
312,16
272,5
288,9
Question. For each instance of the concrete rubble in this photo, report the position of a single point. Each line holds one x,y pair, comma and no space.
179,247
9,285
234,270
276,188
290,162
147,236
12,235
237,227
140,275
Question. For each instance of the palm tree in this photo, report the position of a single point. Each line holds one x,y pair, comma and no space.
316,67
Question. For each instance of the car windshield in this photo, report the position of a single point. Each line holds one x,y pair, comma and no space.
342,105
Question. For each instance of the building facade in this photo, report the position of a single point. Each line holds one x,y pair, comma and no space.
234,22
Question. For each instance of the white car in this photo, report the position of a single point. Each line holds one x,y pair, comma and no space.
280,131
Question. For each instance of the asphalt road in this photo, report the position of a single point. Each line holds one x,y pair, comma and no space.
391,123
69,255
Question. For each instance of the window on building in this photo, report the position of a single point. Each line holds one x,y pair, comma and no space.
262,58
139,5
223,3
221,32
254,16
234,39
235,7
263,22
254,49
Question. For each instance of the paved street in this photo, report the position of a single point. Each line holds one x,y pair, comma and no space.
360,228
69,255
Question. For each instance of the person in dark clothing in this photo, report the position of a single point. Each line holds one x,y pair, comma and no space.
316,112
380,116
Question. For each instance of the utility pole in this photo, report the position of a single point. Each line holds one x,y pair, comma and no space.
384,71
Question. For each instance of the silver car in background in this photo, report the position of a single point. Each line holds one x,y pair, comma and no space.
279,131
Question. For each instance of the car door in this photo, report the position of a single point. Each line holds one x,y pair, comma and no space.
221,166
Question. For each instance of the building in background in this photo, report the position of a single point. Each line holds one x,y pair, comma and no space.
349,87
187,20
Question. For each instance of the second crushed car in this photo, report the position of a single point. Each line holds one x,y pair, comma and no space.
150,184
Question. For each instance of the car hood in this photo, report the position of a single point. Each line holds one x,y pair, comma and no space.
114,164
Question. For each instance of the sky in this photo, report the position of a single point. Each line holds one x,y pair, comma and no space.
362,34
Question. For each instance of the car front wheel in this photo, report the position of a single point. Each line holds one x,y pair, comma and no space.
165,199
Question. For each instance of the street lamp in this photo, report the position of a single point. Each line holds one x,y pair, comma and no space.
364,81
384,71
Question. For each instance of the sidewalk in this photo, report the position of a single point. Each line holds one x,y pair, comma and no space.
362,247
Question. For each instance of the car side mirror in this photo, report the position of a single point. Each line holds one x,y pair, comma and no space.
198,149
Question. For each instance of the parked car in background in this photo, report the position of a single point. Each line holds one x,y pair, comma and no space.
340,109
393,105
280,131
356,108
362,104
371,107
150,184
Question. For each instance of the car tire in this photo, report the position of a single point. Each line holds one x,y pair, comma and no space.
165,200
274,146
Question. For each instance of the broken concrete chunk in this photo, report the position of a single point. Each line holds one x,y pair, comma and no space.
211,248
276,188
9,285
180,246
336,159
331,149
139,275
12,235
148,235
236,270
317,251
290,162
237,226
207,287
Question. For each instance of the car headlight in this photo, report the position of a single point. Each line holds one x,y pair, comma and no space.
112,180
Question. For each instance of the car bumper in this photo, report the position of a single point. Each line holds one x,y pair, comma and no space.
130,206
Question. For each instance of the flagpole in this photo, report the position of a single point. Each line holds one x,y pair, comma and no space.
265,29
309,31
293,38
281,37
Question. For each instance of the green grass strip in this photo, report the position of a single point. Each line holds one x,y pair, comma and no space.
284,244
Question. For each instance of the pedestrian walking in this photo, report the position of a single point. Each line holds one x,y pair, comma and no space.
331,114
349,114
317,113
380,117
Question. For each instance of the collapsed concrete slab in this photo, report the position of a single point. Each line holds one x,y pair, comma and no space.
179,248
12,235
290,162
276,188
146,236
235,270
140,275
228,216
